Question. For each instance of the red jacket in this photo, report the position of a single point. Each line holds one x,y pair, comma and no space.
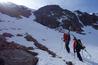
66,36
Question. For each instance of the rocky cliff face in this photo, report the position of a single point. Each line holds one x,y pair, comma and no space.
88,19
54,16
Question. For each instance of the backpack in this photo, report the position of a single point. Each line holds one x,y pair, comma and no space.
80,45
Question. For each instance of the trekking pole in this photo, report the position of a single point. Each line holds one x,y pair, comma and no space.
87,53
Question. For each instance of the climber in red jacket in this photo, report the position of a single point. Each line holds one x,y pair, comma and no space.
66,38
77,47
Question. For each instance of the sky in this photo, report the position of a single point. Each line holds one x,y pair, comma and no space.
83,5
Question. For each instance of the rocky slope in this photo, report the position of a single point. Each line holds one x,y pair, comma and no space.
14,10
88,19
12,53
54,16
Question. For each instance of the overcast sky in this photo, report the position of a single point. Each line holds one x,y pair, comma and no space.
83,5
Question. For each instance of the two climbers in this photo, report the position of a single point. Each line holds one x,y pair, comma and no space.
77,45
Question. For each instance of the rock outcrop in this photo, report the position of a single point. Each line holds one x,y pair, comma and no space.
39,45
53,16
14,10
12,53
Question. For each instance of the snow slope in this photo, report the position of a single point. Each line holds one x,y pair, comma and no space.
52,39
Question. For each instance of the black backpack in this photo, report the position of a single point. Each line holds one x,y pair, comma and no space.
79,44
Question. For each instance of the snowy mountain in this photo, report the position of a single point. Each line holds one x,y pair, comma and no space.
54,16
41,26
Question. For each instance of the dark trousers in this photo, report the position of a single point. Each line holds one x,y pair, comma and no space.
79,55
67,46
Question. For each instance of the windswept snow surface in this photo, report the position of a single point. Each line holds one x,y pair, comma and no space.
52,39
